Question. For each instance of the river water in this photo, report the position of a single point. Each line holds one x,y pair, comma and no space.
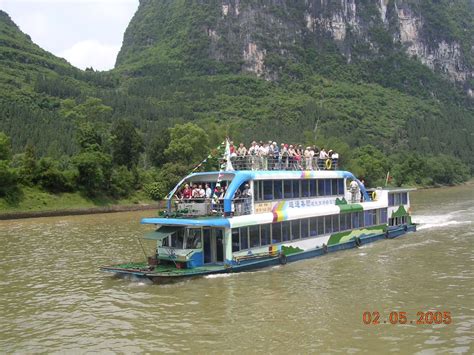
54,299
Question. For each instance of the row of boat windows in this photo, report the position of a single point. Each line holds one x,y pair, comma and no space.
397,198
268,190
266,234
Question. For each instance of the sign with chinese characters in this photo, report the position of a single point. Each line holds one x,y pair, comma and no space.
265,207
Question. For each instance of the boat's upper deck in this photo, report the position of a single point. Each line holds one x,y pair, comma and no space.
233,193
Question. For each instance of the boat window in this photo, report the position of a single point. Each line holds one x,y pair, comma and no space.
268,190
313,227
327,224
374,217
305,190
276,232
391,200
287,189
265,234
383,215
165,242
397,199
177,239
235,240
305,228
313,187
334,186
335,223
254,236
340,187
285,231
296,189
367,219
404,198
320,187
295,229
344,220
327,187
355,220
244,238
361,219
278,189
257,185
193,241
320,225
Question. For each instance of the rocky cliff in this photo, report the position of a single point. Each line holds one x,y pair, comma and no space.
258,36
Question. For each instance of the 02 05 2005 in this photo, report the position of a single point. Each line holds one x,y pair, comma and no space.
400,317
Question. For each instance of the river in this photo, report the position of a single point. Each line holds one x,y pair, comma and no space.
54,299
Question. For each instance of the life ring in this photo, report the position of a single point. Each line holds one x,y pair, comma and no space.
325,248
283,259
328,164
374,195
357,241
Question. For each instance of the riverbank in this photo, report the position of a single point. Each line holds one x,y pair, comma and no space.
37,203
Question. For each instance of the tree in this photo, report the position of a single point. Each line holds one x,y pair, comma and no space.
188,144
5,147
371,164
127,144
28,171
158,145
94,169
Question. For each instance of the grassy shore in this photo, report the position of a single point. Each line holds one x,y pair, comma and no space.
36,200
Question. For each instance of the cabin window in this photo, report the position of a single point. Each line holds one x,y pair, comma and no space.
334,186
327,224
374,217
404,198
256,189
287,188
397,199
313,187
165,242
254,236
391,200
295,229
355,220
235,240
276,232
177,239
278,189
285,231
305,228
340,186
313,226
320,225
335,223
327,187
265,234
296,189
244,238
193,241
344,221
268,190
320,187
305,190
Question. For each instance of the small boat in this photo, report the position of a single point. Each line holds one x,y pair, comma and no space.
259,218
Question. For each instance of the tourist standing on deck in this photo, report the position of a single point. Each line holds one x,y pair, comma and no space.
354,190
276,157
307,159
253,152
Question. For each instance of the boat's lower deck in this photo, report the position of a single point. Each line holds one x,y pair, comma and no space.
169,272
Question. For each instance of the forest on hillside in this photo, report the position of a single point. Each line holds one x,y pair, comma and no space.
161,111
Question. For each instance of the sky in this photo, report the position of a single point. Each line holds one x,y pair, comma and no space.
87,33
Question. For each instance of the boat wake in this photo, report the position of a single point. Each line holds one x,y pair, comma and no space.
440,221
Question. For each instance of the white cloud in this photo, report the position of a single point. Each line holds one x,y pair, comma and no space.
89,53
85,32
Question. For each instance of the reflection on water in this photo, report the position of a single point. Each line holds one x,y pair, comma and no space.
53,298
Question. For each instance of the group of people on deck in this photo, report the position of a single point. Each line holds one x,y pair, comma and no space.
198,193
271,156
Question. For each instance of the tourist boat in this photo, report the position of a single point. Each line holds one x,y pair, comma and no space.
283,216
